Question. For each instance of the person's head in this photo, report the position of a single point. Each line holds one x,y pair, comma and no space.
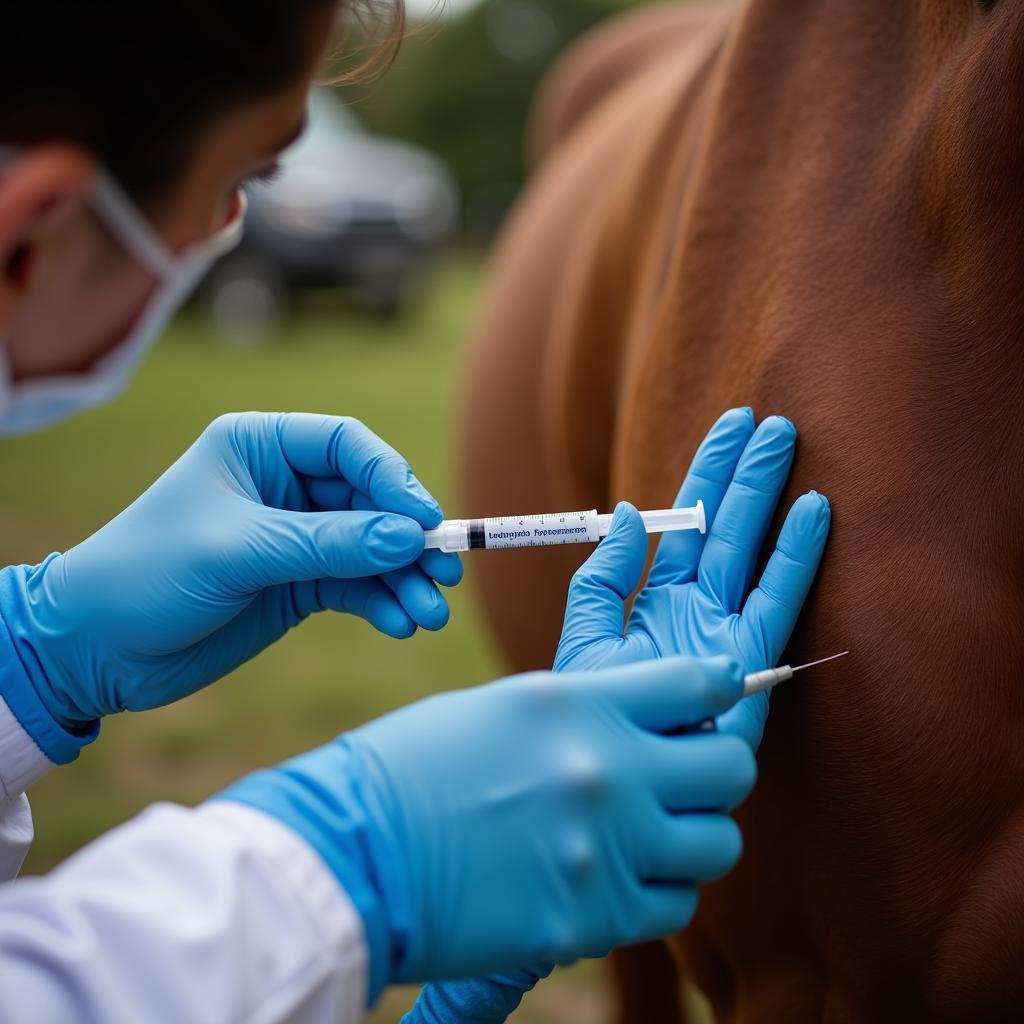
180,102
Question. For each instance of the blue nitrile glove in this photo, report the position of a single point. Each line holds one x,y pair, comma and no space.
697,598
264,520
540,818
487,1000
693,603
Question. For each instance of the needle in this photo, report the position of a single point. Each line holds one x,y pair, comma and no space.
758,681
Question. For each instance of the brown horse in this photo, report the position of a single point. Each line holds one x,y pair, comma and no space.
814,207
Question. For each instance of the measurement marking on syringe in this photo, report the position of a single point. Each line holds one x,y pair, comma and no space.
548,528
537,530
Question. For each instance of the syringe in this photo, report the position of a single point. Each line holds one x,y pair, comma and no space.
755,682
552,528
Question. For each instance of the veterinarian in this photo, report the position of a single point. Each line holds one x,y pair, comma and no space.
533,820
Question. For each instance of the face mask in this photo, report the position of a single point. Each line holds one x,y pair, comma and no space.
42,401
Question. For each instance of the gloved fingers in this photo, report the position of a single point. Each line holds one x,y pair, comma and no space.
320,446
701,771
443,566
525,977
331,493
708,480
662,909
418,595
474,1000
738,531
669,693
746,719
370,600
596,605
692,848
363,502
288,546
771,610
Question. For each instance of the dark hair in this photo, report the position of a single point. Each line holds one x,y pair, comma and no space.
138,81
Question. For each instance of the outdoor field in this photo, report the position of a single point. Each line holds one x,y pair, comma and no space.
333,672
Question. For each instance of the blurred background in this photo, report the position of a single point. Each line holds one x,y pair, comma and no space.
392,172
353,293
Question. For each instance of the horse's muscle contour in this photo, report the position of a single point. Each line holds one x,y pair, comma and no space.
813,208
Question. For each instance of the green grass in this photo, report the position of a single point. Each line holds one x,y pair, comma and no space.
324,677
331,673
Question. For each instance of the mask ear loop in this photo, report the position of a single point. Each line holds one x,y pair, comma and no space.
122,217
227,237
59,396
124,220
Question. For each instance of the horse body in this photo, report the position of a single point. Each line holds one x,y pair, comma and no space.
812,207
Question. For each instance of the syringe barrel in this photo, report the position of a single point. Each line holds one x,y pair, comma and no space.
527,531
551,528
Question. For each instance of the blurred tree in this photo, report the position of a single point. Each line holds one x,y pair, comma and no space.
462,87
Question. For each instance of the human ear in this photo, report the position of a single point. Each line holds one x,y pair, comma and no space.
42,190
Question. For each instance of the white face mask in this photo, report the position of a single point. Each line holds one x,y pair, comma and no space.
39,402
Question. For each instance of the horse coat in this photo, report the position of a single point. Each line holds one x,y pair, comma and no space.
813,207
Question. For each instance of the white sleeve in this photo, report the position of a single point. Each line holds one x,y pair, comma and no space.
21,763
219,915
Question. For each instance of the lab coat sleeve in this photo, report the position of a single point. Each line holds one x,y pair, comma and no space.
21,763
213,914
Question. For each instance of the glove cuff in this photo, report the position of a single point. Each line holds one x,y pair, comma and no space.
315,795
22,679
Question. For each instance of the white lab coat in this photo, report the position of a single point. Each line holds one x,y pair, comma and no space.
212,914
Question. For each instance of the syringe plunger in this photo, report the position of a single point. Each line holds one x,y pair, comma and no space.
662,520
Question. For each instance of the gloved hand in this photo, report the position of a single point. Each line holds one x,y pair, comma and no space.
697,598
695,602
540,818
487,1000
264,520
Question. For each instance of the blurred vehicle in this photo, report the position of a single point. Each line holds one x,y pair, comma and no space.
347,208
